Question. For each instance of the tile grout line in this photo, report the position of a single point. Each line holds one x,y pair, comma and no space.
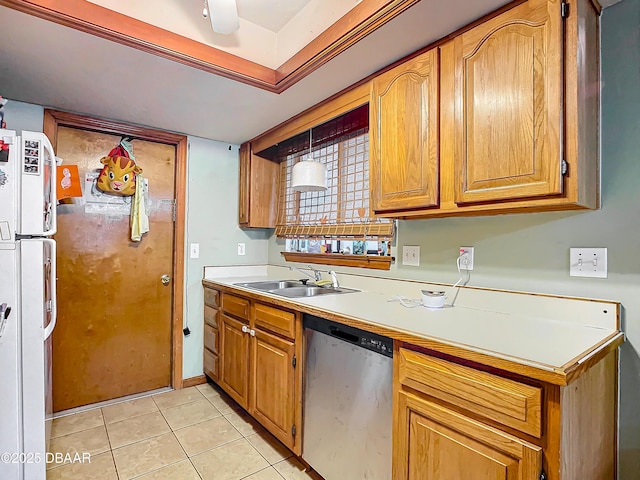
232,410
155,469
113,459
108,403
259,453
77,431
132,416
214,448
220,414
262,470
173,431
183,450
115,466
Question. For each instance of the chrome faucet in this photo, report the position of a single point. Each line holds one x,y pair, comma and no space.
334,279
317,275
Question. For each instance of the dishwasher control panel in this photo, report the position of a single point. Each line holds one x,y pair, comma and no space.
380,346
355,336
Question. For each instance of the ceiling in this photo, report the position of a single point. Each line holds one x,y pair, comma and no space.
52,65
271,31
271,14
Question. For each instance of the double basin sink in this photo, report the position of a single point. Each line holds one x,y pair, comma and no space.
294,288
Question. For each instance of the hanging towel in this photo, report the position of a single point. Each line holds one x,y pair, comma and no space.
128,148
139,217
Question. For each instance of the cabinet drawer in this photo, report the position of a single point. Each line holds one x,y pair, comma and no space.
508,402
212,297
235,306
211,316
211,364
211,338
276,320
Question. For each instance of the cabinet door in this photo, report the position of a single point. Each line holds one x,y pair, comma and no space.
244,186
234,359
273,385
435,443
258,190
509,105
404,136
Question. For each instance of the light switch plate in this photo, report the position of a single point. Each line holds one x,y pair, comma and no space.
588,262
241,249
411,255
194,250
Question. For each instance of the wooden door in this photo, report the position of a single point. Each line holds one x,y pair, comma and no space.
509,105
435,443
404,136
113,336
234,359
273,397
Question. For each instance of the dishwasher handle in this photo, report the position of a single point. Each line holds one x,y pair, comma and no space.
336,332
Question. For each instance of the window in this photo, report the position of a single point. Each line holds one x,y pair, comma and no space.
342,211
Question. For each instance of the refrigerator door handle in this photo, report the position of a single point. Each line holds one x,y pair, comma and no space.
54,300
53,228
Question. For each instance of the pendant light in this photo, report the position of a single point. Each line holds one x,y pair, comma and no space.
307,175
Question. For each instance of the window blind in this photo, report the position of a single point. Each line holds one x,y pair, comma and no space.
342,211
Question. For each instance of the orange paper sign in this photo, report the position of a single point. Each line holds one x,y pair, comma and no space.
68,182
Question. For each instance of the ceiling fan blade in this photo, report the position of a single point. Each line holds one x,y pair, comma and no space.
224,16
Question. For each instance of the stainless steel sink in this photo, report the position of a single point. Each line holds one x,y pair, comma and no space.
272,285
294,288
309,291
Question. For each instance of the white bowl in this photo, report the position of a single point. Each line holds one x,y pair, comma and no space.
433,299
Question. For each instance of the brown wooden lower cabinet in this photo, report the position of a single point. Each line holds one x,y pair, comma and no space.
234,359
211,333
273,382
257,362
438,443
453,421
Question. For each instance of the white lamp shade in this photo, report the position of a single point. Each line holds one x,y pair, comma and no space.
309,176
224,16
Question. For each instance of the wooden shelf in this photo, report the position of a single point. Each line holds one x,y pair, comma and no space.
376,262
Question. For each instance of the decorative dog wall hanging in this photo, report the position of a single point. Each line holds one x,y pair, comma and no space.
118,176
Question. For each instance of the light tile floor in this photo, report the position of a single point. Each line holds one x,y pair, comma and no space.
197,433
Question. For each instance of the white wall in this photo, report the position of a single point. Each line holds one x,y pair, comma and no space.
212,221
530,251
23,116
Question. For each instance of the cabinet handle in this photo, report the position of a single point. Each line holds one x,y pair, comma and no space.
252,332
245,329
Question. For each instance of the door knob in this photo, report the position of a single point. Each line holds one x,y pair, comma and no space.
165,279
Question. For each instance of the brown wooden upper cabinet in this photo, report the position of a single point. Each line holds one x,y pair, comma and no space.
508,117
403,135
512,126
258,190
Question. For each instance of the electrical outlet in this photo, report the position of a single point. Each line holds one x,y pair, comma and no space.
411,255
241,249
194,250
466,262
588,262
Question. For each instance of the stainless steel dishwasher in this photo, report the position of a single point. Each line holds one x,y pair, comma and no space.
347,403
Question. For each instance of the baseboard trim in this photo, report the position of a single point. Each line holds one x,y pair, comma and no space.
193,381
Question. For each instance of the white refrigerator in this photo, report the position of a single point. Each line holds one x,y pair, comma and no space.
27,301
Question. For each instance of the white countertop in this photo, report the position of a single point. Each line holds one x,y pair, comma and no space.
529,335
